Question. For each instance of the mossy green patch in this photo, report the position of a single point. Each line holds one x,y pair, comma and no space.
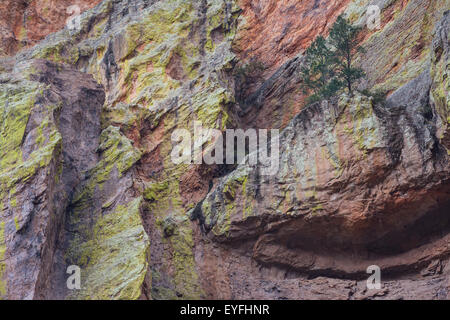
185,277
363,128
16,223
116,152
53,52
234,189
399,52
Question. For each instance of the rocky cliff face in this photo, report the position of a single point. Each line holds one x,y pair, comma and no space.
87,177
23,23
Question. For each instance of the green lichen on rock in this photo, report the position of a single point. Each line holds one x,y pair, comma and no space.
440,75
174,226
184,279
399,51
109,244
126,116
156,190
117,152
211,108
53,52
160,39
363,127
2,259
112,255
157,76
232,194
17,103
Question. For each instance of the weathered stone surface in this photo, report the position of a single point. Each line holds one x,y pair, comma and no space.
359,184
275,31
339,149
112,255
440,73
400,51
59,169
44,107
395,54
163,67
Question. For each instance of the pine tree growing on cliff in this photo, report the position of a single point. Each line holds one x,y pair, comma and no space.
328,65
317,73
345,45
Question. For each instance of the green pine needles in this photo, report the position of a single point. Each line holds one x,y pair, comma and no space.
328,64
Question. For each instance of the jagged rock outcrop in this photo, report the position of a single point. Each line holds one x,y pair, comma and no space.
357,182
163,65
440,73
87,178
50,125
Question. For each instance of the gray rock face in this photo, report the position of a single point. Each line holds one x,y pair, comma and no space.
440,73
57,137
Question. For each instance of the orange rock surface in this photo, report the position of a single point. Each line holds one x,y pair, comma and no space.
275,31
